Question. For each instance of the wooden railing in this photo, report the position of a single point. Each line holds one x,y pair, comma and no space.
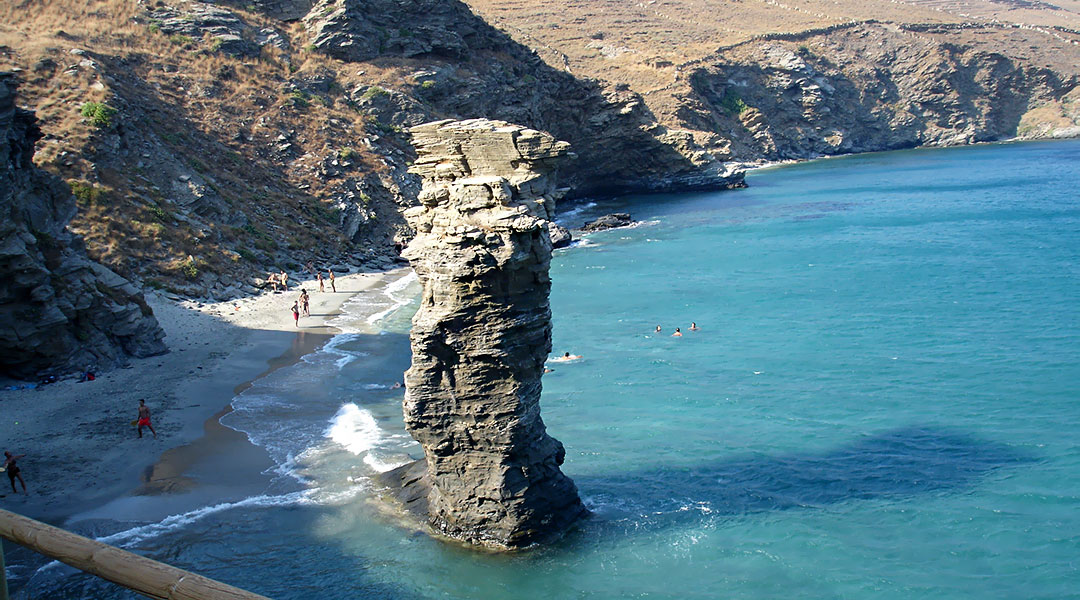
143,575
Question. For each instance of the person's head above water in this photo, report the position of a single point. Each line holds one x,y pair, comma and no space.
566,355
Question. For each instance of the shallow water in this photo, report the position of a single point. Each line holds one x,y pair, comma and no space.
880,403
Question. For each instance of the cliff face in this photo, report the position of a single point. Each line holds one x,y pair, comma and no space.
483,332
464,67
875,86
59,311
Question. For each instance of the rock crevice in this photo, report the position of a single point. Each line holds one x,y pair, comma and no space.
479,340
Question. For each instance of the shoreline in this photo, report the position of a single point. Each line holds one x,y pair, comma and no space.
81,451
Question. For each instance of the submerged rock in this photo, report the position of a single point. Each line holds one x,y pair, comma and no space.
481,336
59,311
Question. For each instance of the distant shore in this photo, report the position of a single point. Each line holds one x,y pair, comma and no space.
81,451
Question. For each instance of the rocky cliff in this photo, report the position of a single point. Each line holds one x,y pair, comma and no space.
59,311
471,69
876,86
482,334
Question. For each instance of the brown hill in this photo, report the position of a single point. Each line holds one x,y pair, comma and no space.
210,142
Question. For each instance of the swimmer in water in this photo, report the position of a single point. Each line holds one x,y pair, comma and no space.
657,329
677,333
694,327
567,357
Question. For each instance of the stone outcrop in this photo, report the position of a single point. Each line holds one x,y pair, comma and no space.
481,336
229,33
59,311
611,221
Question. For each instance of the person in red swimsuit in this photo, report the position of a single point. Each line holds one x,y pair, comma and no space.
144,418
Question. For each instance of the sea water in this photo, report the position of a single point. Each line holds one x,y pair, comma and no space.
880,402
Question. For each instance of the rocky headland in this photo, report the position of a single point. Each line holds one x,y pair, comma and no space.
490,474
211,142
59,311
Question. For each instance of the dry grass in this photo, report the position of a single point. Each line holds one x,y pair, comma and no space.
658,36
194,101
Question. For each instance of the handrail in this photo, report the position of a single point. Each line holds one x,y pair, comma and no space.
143,575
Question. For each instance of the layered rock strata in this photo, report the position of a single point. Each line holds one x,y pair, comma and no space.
481,336
59,311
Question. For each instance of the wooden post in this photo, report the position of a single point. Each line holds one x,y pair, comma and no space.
143,575
3,574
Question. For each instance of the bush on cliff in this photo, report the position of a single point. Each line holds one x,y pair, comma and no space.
100,114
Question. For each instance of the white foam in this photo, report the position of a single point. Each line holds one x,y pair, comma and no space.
355,429
333,349
577,210
396,294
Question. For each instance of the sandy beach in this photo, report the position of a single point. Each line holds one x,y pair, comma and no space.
81,449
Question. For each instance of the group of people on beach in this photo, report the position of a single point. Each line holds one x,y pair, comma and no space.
276,280
302,305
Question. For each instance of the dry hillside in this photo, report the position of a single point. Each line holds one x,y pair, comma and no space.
209,142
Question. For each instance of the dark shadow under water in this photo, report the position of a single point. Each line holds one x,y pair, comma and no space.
897,464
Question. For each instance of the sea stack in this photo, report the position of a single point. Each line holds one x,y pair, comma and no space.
479,340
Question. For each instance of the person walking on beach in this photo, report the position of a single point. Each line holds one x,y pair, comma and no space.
305,302
144,418
14,472
296,314
284,279
332,285
321,287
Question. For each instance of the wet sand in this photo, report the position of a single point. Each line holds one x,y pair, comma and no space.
82,452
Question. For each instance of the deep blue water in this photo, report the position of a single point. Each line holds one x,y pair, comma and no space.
881,402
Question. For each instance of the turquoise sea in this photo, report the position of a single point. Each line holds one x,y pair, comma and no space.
882,401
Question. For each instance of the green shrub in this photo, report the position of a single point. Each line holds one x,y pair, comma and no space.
246,254
373,92
732,103
159,213
427,85
190,268
346,154
100,114
181,40
216,44
300,98
87,194
154,28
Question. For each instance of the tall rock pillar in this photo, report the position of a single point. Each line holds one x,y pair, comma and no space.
483,331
